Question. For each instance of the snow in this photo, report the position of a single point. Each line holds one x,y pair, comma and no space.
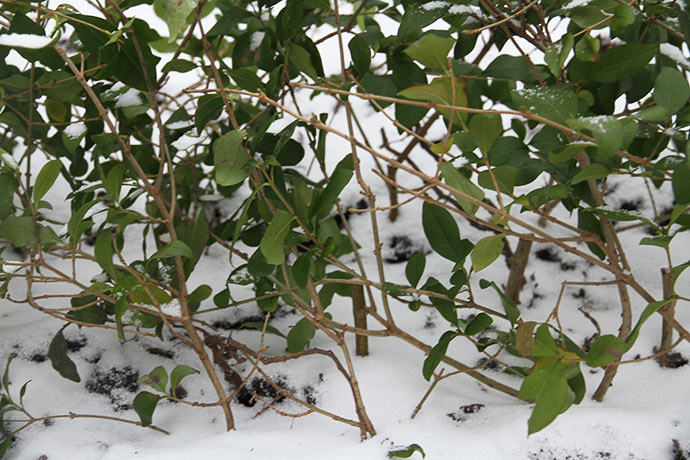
9,160
180,124
75,130
25,40
255,40
674,53
128,99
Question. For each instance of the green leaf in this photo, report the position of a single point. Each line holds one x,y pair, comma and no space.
556,103
442,232
176,12
301,59
339,179
272,242
103,251
661,241
548,385
174,249
556,54
406,452
156,379
57,352
360,52
458,181
417,17
478,324
619,63
415,268
230,159
144,404
486,251
569,151
440,92
301,269
19,230
622,215
46,178
608,131
595,171
587,48
680,183
431,50
113,181
181,371
179,65
485,129
605,350
649,310
437,353
289,20
544,343
512,312
299,335
5,445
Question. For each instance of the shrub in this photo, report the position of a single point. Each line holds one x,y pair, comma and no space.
521,147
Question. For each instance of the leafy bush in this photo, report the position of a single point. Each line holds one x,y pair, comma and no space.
522,148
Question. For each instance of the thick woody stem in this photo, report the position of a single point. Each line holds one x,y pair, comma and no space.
518,263
360,314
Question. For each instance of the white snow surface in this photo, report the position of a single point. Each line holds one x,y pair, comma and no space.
128,99
25,40
75,130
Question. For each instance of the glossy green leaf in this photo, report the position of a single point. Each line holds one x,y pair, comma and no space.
230,158
300,335
181,371
458,181
176,12
301,59
431,50
605,350
680,183
360,53
556,54
620,62
415,268
486,251
145,404
442,232
57,352
555,103
418,16
478,324
485,129
594,171
339,179
19,230
608,131
440,91
406,452
103,251
272,242
46,178
512,312
156,379
179,65
547,385
174,249
437,353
